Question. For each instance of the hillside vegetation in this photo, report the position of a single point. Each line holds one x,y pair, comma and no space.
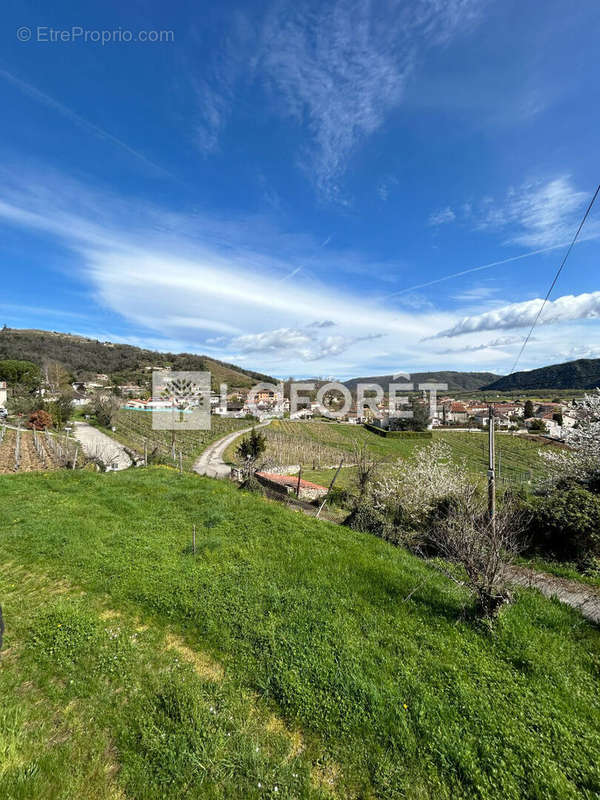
87,357
286,658
318,444
456,381
581,374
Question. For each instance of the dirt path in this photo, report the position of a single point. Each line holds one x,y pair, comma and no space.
98,445
211,462
582,596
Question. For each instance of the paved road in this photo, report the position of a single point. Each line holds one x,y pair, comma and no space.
211,461
98,445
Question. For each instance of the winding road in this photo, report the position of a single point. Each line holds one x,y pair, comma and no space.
211,462
98,445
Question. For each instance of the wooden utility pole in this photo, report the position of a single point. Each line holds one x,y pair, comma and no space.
492,467
299,480
337,472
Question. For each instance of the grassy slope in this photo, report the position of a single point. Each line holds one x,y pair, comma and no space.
518,456
408,699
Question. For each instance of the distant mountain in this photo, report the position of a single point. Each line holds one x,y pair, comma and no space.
457,381
581,374
87,357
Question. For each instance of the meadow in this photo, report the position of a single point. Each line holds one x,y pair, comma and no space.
286,657
318,446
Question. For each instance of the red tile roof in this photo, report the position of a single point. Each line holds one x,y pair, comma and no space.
290,480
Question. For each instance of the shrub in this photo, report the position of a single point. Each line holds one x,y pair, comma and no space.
397,434
368,519
40,420
565,524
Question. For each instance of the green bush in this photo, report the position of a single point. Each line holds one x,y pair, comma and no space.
566,525
398,434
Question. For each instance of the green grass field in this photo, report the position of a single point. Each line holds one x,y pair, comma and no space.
281,660
316,445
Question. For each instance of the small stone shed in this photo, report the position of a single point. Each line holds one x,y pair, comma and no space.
288,484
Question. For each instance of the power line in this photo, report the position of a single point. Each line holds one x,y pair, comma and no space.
556,277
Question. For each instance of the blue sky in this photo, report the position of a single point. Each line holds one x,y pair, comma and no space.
337,188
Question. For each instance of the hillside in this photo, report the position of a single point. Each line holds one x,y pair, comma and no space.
456,381
581,374
287,658
87,357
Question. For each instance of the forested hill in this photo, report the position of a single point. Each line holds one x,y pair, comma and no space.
86,357
457,381
581,374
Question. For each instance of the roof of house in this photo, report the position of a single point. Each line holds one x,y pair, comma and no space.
290,480
459,407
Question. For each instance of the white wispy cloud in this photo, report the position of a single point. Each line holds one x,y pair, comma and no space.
519,315
442,217
207,281
537,214
339,68
502,341
475,294
303,343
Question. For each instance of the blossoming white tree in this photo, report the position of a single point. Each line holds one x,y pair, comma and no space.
582,461
415,487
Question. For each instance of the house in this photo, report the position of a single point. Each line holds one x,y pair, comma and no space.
288,484
80,399
303,413
458,413
3,393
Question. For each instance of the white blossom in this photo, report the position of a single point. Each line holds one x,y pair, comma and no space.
582,460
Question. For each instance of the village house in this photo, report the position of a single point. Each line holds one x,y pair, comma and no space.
3,393
290,484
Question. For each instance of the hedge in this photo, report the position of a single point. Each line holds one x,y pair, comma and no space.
398,434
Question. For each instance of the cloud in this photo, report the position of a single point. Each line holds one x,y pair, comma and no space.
519,315
537,214
475,294
303,343
442,217
504,341
337,69
212,281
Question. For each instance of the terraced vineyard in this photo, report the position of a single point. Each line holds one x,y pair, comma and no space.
31,451
134,430
319,445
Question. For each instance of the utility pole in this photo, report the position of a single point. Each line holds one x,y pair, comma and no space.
337,472
491,467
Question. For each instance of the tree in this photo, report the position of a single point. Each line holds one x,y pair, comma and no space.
251,447
411,490
418,422
465,535
40,420
23,373
56,376
528,411
366,466
104,408
558,418
582,462
61,408
538,425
